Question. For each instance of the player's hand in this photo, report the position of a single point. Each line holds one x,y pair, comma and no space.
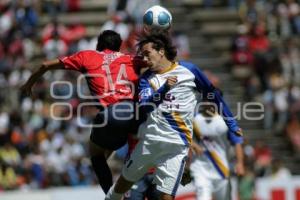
239,169
171,81
27,89
186,177
198,150
146,30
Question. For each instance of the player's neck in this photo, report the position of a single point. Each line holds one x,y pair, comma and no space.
165,66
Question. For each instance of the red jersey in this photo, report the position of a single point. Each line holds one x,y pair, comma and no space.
110,75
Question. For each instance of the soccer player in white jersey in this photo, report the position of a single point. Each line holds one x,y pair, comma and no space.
210,166
167,98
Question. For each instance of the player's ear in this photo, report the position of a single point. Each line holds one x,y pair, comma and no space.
161,52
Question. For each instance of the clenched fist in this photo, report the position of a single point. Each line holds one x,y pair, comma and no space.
171,81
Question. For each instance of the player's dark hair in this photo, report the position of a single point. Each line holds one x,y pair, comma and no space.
160,39
211,105
109,39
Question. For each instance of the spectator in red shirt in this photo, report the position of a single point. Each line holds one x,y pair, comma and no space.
263,158
111,78
259,45
259,42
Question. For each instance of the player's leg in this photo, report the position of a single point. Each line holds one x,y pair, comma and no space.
100,143
110,132
117,191
165,196
138,190
142,189
98,157
204,188
134,169
202,179
170,168
152,193
223,190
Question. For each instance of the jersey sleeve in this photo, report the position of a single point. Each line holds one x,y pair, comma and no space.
205,87
234,138
148,97
75,61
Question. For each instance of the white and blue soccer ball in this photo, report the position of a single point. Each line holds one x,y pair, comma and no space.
157,17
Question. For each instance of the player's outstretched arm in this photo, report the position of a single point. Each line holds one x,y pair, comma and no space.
239,166
46,66
206,88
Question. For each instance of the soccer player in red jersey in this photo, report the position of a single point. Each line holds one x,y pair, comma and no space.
111,77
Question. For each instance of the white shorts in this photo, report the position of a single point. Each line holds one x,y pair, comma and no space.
168,159
209,184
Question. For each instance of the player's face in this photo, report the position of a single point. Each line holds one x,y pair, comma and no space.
151,56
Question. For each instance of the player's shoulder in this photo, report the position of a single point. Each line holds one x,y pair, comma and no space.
187,64
125,58
89,55
87,52
193,69
147,74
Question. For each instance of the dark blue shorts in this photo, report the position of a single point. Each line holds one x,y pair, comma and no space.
116,121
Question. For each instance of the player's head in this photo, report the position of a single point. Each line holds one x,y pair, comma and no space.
208,106
109,39
154,47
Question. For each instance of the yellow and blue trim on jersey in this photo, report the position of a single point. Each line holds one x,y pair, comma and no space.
204,86
180,173
218,163
213,156
177,123
170,68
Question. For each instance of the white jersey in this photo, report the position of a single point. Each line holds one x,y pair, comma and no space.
216,141
167,130
170,119
175,109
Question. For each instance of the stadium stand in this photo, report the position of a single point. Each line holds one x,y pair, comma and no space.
39,152
213,30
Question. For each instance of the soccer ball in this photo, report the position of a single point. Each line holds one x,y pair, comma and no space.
157,17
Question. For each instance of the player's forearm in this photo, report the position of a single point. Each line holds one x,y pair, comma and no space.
196,148
48,65
196,131
239,166
239,153
52,64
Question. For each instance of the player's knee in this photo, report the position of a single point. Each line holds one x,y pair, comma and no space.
122,185
96,150
164,196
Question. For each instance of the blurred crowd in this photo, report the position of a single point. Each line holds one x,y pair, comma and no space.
38,151
265,57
